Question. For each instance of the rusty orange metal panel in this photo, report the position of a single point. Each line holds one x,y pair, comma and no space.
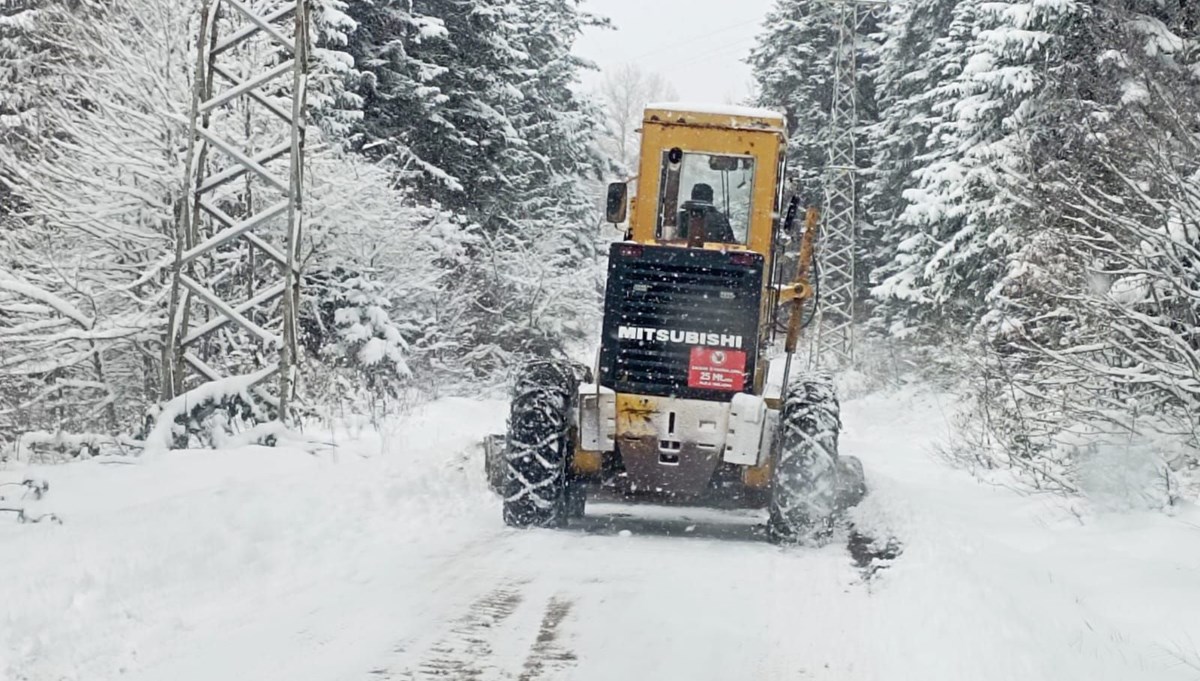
757,477
587,463
634,414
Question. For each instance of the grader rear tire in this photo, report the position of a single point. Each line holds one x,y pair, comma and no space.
805,480
540,445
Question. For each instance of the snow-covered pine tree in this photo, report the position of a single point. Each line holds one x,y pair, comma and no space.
985,86
439,87
367,339
793,65
24,58
914,54
334,101
927,212
473,103
1034,182
397,53
22,62
535,287
551,215
793,68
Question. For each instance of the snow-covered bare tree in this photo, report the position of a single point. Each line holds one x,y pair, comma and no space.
97,205
93,208
1096,323
624,93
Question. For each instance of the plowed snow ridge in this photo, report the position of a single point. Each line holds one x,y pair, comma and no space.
388,560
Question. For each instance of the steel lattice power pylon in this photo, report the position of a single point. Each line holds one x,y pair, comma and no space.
837,250
236,278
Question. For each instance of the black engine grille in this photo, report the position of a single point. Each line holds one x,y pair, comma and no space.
681,290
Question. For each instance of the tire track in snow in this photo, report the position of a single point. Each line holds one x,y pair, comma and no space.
547,653
463,652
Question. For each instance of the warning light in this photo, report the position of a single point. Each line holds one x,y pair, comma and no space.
743,257
630,250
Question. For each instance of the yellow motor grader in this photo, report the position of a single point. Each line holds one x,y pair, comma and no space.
678,408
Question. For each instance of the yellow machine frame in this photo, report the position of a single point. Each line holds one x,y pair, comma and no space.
762,137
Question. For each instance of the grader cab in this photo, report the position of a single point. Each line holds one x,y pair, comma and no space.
678,407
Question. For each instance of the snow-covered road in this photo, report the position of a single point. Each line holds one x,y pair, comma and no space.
389,561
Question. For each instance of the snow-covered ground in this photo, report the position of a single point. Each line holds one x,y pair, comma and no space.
388,560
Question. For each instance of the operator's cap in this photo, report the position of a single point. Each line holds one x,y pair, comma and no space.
702,193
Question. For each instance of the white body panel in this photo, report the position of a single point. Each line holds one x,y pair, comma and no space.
737,432
597,418
744,432
697,422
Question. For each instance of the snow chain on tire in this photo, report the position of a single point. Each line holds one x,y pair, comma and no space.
540,444
805,479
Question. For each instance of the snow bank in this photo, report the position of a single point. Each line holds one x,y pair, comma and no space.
157,551
717,109
1018,586
387,559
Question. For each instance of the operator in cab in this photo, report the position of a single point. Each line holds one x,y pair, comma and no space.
701,221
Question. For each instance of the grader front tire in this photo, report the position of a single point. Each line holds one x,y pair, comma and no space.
805,479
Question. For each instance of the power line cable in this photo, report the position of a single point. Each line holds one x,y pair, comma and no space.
686,41
741,44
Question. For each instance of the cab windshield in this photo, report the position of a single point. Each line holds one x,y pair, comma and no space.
705,197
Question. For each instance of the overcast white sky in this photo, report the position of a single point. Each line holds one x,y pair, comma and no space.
698,45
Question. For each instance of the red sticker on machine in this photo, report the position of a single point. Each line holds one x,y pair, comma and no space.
717,369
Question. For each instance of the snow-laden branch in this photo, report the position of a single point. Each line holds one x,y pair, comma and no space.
175,419
10,283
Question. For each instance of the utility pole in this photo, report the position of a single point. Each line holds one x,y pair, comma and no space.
236,272
838,246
